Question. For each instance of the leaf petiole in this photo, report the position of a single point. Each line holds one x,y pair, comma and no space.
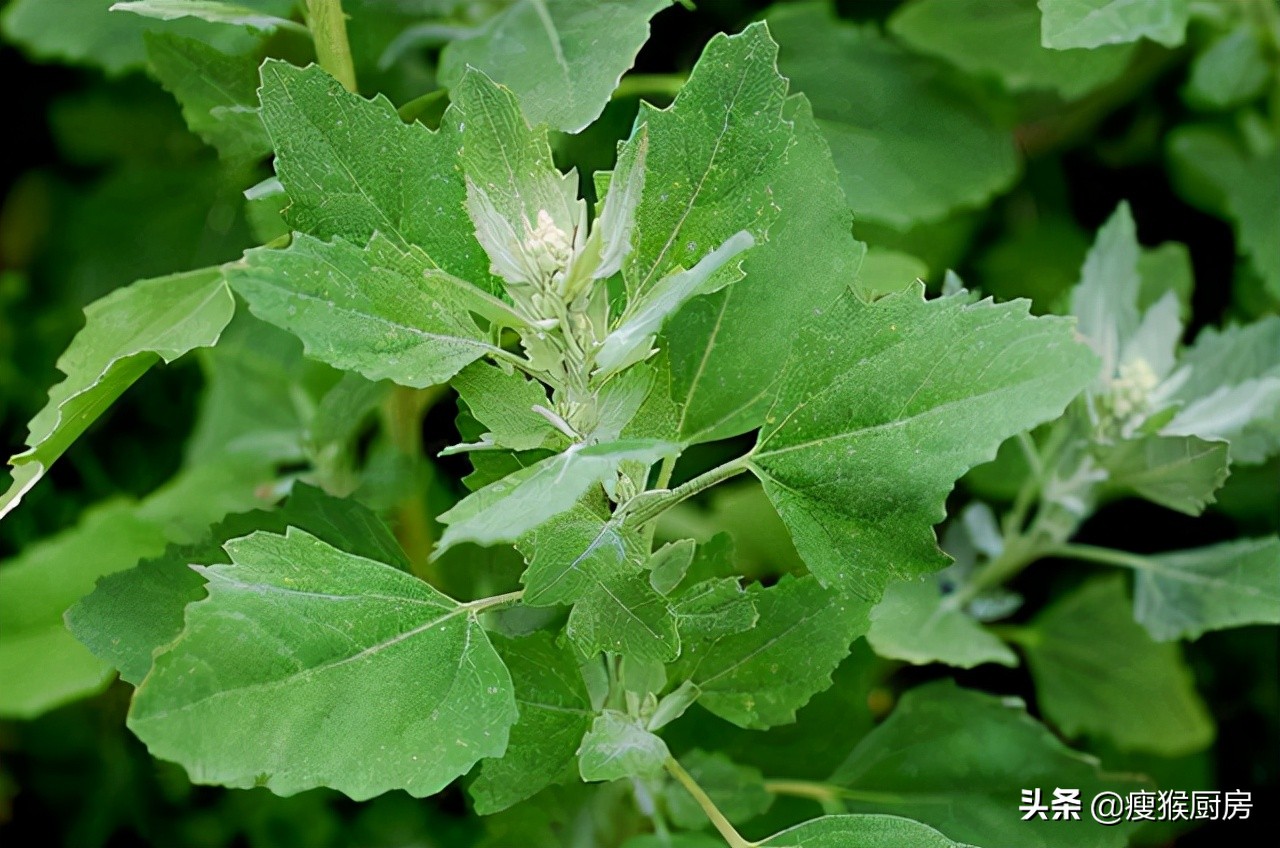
727,830
659,501
328,27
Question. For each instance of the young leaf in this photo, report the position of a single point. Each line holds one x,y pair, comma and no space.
617,747
555,712
993,750
1106,299
352,168
1098,672
913,622
125,333
563,58
621,613
714,608
1230,72
1009,32
506,510
760,677
503,402
713,159
884,407
218,93
379,310
1093,23
863,831
1181,595
307,666
132,613
1178,472
727,348
899,166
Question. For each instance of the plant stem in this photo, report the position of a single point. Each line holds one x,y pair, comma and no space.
479,606
727,830
328,27
823,793
663,85
665,500
1093,553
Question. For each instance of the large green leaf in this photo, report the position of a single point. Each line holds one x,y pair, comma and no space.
506,510
131,613
1093,23
307,666
714,158
218,93
760,677
909,148
862,831
884,407
957,760
125,333
555,712
1097,672
563,58
378,310
1182,594
913,622
1008,32
726,349
351,168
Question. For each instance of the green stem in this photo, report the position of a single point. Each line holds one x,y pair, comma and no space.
662,85
1019,552
663,501
1107,556
329,32
727,830
479,606
826,794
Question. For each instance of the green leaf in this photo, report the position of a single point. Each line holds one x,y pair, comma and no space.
1254,203
1097,672
713,159
714,608
617,746
218,93
726,349
884,407
760,677
378,310
506,510
1009,34
863,831
555,712
352,168
670,563
125,333
1106,299
503,401
957,760
1093,23
42,664
899,165
307,666
1232,389
579,558
736,790
562,58
1181,595
1230,72
86,31
1178,472
914,623
132,613
213,11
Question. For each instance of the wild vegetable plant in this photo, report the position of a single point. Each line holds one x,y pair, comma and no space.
560,645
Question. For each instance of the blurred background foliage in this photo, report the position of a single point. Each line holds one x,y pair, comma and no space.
963,144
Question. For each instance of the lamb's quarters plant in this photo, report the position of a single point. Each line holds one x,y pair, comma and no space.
580,487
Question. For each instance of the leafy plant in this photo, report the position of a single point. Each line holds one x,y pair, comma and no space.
584,629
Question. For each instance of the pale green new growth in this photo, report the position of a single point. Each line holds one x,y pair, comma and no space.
1094,23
